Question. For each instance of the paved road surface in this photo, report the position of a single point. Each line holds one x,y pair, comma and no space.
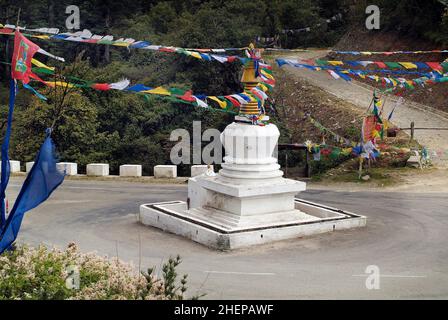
361,96
406,237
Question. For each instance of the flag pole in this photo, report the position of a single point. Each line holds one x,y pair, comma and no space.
18,19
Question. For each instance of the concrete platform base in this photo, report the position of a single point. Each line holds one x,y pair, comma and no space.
219,230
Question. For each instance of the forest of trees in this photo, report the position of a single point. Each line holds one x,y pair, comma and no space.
123,128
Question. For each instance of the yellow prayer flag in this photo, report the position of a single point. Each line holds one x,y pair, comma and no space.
158,90
251,97
59,84
39,64
222,104
196,55
408,65
121,44
267,75
41,36
336,63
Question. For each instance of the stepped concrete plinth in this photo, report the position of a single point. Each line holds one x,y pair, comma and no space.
248,202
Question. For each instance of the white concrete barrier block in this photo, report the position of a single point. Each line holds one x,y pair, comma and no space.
29,165
197,170
14,166
130,170
97,169
70,168
162,171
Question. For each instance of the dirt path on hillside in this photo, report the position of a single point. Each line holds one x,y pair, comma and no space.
360,95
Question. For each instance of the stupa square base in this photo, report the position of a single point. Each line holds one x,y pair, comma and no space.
223,231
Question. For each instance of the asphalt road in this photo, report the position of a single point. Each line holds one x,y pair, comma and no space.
406,237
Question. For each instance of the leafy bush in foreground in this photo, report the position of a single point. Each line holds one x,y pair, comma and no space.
41,273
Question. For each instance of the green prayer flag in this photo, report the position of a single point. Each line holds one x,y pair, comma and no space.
393,65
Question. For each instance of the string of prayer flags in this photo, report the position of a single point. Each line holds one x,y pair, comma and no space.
395,82
337,68
86,36
388,53
108,39
324,150
422,81
436,66
308,29
226,103
23,60
337,138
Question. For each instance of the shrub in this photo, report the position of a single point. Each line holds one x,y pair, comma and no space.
41,273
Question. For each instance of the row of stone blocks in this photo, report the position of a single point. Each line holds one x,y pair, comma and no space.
102,169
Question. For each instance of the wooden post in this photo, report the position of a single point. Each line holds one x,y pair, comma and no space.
286,164
360,167
307,164
412,130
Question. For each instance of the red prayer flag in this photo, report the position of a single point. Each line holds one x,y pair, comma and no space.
233,101
24,51
369,124
6,31
188,96
101,86
165,49
381,64
435,66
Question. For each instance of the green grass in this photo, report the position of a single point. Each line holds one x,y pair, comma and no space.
379,177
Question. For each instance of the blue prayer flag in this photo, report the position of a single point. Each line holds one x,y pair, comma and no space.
42,180
5,157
